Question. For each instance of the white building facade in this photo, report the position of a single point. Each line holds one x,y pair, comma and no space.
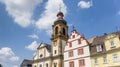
52,55
42,57
76,51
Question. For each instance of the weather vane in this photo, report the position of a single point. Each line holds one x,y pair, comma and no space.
73,27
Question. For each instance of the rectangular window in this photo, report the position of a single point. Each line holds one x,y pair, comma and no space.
99,48
79,41
46,64
96,61
115,58
40,65
112,44
70,53
55,51
71,64
55,64
80,51
70,44
81,62
105,59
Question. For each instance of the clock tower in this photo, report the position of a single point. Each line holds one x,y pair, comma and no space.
59,37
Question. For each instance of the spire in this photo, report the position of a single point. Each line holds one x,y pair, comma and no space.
60,15
60,7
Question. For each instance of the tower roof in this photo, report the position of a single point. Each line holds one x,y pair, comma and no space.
60,15
60,19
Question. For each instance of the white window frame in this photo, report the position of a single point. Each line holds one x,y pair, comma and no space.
115,58
112,44
105,59
99,48
40,65
95,61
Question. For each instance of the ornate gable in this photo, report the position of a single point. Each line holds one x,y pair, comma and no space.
75,40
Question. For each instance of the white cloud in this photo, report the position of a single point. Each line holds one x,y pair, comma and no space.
84,4
49,15
21,10
15,66
34,36
6,54
14,58
33,46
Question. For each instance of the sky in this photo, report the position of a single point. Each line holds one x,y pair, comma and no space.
24,24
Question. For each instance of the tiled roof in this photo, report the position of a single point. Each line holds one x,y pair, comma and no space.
99,40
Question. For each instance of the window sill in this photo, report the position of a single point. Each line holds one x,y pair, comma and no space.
112,46
105,63
95,64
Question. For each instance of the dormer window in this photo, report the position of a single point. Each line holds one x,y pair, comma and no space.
99,48
112,44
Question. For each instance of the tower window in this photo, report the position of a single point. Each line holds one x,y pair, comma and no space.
63,31
112,44
55,51
56,30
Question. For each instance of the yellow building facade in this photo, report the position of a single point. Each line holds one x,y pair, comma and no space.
105,50
112,43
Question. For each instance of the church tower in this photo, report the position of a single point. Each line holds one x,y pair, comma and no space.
59,37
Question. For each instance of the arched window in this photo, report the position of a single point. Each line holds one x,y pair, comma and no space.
56,30
63,31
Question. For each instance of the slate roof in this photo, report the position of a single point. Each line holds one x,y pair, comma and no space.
26,61
45,45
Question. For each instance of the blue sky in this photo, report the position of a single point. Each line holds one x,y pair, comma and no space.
26,23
